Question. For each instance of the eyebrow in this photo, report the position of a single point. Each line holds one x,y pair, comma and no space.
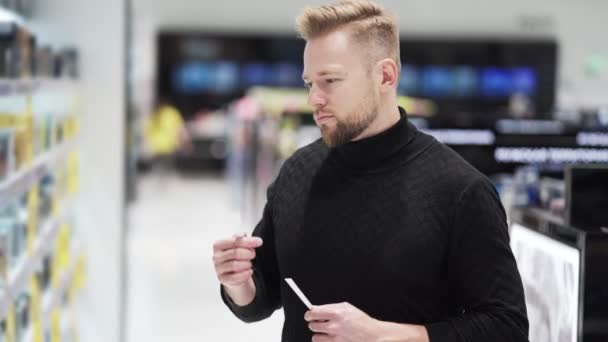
327,72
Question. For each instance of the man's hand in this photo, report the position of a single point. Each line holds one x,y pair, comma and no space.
345,323
233,265
341,323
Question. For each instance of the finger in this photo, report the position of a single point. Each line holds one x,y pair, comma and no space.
233,266
249,242
325,327
234,254
235,278
237,241
224,244
322,313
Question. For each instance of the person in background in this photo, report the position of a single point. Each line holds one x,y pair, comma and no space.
166,135
390,234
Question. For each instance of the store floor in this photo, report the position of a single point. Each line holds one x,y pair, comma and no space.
173,293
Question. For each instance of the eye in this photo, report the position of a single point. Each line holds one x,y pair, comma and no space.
331,80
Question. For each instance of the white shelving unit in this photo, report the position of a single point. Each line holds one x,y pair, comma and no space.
46,96
98,30
21,181
18,279
53,297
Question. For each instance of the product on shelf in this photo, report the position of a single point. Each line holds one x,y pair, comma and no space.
44,276
21,211
9,220
13,232
13,119
5,250
45,195
16,47
22,311
7,153
66,64
44,62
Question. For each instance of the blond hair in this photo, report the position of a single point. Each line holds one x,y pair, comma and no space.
371,26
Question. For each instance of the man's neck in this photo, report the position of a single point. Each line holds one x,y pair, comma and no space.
388,116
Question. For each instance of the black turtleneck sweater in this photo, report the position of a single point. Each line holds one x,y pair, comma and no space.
398,225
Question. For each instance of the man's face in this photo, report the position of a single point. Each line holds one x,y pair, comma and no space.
341,87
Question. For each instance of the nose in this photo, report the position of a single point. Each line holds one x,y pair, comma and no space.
315,98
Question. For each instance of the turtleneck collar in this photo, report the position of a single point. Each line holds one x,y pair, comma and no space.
378,150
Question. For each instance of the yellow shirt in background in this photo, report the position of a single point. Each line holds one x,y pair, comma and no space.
163,129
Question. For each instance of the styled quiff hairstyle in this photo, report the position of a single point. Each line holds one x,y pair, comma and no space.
370,25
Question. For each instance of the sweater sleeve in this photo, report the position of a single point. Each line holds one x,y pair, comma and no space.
265,273
482,273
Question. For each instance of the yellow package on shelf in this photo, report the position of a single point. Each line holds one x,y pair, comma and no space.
56,266
37,331
80,273
71,127
73,175
78,278
64,246
35,298
11,333
66,128
21,125
56,325
32,225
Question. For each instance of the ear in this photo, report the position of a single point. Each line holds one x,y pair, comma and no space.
389,75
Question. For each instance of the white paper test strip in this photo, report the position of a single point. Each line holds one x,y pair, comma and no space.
298,292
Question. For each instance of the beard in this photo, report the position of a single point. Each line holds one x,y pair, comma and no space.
357,121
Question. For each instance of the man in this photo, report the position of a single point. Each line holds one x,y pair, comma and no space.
391,234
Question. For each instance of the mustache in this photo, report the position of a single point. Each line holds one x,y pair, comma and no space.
323,111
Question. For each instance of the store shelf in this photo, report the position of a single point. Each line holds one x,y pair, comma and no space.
17,87
18,279
20,182
53,297
10,87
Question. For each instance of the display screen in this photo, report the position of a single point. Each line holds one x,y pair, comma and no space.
467,81
587,192
550,272
463,76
